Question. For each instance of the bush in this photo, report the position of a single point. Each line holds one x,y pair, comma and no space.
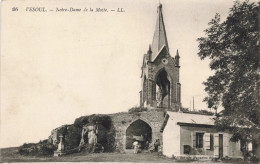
93,119
202,111
136,110
254,159
81,121
27,149
103,120
72,137
42,148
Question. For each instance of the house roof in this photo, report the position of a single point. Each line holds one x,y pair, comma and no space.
188,119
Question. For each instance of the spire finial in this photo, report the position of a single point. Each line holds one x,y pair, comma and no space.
177,53
159,7
177,58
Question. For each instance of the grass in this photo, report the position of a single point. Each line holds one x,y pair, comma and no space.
9,155
12,155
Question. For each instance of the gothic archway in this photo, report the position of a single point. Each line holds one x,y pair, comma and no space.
138,130
163,89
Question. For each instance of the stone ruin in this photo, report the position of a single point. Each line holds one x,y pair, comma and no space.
126,127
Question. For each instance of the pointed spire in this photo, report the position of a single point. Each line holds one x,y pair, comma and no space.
177,58
177,54
150,49
159,38
149,53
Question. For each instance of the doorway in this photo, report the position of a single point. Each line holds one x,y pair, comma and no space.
220,145
140,131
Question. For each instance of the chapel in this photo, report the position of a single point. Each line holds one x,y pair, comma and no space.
161,87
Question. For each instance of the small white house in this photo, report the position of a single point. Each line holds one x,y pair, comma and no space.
193,135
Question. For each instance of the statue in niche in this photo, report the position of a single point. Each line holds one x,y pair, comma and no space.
60,145
91,132
159,98
92,137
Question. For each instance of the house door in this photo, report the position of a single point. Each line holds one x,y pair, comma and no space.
220,145
216,145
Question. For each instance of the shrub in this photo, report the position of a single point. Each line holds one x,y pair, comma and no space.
202,111
93,119
72,137
27,149
103,120
136,110
81,121
42,148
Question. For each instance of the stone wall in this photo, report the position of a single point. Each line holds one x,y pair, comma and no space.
122,121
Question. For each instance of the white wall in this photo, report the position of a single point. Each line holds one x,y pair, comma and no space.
171,139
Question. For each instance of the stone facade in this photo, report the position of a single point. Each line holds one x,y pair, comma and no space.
122,121
160,73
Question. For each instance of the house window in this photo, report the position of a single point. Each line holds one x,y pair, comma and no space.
199,140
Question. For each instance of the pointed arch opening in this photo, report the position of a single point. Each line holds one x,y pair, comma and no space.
139,130
163,89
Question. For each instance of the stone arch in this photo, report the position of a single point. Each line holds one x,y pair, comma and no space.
158,72
139,118
162,88
138,129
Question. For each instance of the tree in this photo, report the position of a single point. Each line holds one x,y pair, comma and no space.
233,48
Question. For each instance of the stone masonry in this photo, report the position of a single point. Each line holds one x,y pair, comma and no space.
122,121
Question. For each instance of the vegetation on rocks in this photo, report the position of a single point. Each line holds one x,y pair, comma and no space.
72,136
42,148
137,109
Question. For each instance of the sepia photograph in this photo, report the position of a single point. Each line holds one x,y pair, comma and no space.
130,81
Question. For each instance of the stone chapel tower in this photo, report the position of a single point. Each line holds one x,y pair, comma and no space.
160,72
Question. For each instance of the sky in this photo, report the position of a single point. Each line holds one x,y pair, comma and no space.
58,66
